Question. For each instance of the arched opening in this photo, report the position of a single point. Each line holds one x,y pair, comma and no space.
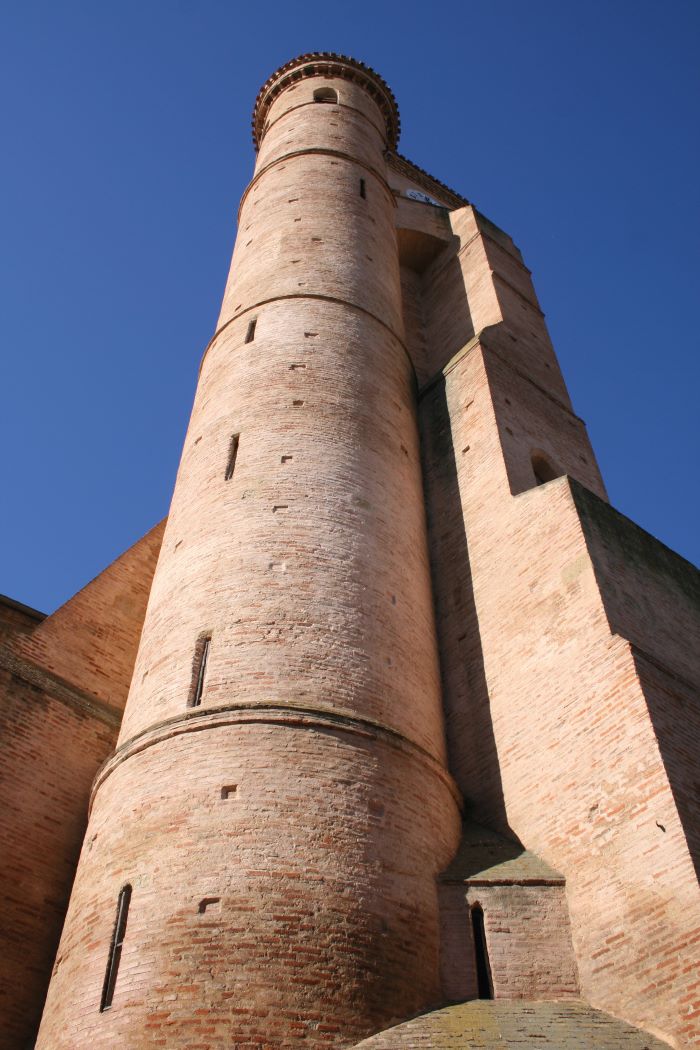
543,469
484,983
325,94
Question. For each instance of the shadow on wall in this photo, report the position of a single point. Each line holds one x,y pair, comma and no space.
449,325
471,744
674,712
652,599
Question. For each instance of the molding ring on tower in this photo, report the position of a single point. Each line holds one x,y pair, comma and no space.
297,715
258,304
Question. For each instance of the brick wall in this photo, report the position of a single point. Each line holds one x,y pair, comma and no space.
55,731
16,618
91,641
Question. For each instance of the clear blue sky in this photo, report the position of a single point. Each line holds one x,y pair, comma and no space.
126,146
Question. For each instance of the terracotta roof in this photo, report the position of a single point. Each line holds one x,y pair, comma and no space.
327,63
502,1025
485,857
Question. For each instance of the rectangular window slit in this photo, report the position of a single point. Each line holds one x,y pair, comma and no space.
287,459
115,948
250,334
228,790
363,189
280,506
298,404
295,366
310,335
199,670
232,453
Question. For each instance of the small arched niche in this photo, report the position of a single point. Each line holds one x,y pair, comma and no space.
543,468
325,94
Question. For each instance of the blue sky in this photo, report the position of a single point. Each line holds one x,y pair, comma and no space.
126,146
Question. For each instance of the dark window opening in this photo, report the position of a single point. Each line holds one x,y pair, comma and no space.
543,470
115,949
232,453
250,334
363,189
483,968
325,94
201,655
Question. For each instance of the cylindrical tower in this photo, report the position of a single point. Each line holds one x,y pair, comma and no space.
259,867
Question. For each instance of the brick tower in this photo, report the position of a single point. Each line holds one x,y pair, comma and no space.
403,728
279,802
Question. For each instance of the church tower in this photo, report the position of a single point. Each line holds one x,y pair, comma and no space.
413,716
278,806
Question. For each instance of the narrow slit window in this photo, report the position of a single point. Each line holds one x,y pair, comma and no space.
201,656
481,954
115,948
363,189
232,453
250,334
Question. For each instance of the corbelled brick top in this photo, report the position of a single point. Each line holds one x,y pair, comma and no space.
327,64
484,1025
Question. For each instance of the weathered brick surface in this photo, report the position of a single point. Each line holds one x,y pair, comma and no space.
50,753
322,863
55,731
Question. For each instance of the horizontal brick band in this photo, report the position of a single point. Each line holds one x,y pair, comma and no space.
321,152
340,105
298,716
308,295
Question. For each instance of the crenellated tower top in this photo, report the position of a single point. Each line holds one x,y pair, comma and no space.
327,64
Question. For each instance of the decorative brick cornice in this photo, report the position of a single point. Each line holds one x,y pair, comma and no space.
327,63
430,184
